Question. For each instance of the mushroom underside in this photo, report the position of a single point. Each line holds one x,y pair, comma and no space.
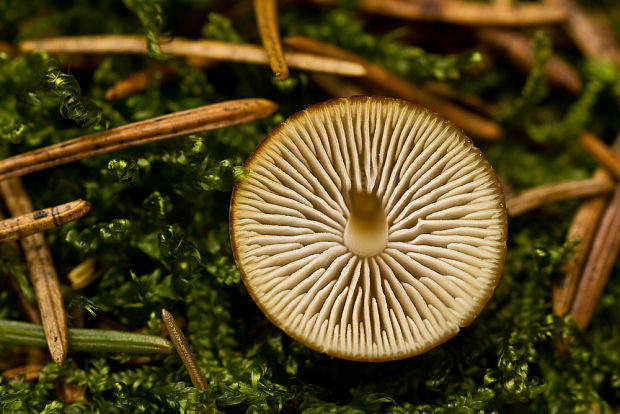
369,228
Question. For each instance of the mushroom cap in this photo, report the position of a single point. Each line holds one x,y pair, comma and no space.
369,228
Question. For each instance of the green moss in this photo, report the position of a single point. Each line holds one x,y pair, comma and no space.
159,223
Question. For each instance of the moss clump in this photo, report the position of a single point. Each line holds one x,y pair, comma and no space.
159,223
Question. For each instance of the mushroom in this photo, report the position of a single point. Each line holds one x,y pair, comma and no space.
369,228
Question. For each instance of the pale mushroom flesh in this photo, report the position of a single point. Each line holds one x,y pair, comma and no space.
369,228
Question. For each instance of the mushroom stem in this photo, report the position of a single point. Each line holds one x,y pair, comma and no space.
366,232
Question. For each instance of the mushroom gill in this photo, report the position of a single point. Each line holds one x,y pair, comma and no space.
369,228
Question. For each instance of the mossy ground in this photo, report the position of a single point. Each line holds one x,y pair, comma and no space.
159,222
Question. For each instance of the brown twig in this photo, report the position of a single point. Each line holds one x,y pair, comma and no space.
551,193
266,12
592,34
85,273
582,229
191,121
507,188
518,49
397,86
211,49
336,86
141,79
182,347
470,100
601,152
42,273
26,307
35,222
138,81
70,392
461,12
6,47
30,372
599,263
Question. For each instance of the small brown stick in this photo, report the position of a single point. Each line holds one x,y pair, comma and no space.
592,35
518,49
582,229
6,47
30,372
35,222
461,12
180,343
468,99
211,49
70,392
42,273
27,308
336,86
599,263
551,193
601,152
85,273
504,4
507,188
266,12
397,86
191,121
138,81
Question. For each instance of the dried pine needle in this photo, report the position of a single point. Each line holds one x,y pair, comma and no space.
27,224
601,152
182,347
582,230
462,12
551,193
30,372
267,21
518,49
400,87
592,35
42,274
600,261
89,340
138,81
211,49
336,86
85,273
172,125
